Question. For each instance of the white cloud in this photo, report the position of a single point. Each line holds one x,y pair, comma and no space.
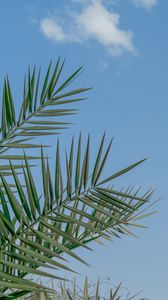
95,22
52,30
99,23
145,3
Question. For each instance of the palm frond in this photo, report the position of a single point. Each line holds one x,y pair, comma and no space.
39,113
37,228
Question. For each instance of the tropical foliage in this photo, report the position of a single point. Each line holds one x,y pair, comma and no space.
75,203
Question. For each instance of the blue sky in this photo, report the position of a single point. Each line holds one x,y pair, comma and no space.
123,47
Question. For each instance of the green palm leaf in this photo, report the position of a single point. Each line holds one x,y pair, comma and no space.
40,102
81,210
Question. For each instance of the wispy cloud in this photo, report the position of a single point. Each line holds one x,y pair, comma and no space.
52,30
94,22
145,3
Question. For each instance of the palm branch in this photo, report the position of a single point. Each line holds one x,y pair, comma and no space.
36,231
42,105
